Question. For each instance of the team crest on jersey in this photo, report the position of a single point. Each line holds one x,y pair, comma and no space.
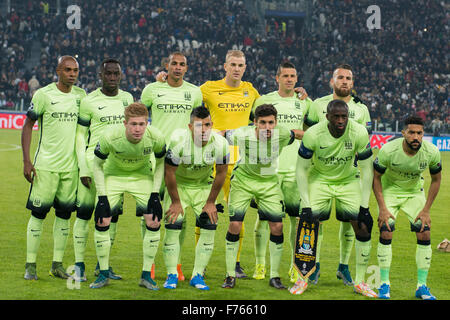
245,93
348,145
422,165
78,102
351,114
147,150
297,105
125,103
36,203
187,96
208,157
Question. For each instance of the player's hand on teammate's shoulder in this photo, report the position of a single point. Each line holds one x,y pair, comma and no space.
86,181
161,76
301,93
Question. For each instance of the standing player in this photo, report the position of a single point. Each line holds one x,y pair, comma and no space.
326,171
100,110
122,164
54,173
342,84
230,101
170,104
255,177
291,111
189,164
398,185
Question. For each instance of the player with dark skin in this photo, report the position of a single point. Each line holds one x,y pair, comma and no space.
110,76
67,71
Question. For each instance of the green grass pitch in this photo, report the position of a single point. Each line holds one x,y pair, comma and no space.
126,255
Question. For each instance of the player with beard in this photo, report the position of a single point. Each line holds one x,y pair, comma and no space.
342,84
398,185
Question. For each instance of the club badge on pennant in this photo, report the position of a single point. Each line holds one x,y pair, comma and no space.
305,248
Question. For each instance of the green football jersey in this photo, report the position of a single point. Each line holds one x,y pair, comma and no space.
334,158
291,112
99,112
402,174
357,111
195,163
171,107
124,158
259,158
57,115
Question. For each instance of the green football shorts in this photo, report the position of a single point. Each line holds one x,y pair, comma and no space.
267,194
346,195
194,197
411,205
138,186
57,189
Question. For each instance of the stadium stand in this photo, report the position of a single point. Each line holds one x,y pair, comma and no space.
400,69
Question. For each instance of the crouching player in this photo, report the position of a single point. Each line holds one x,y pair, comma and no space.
122,164
398,185
188,168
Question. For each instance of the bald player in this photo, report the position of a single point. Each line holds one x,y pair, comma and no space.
342,83
54,172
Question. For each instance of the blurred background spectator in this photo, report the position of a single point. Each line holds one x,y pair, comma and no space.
400,69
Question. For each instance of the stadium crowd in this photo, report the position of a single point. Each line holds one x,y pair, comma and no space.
402,68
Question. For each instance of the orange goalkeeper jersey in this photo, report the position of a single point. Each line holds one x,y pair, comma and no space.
230,107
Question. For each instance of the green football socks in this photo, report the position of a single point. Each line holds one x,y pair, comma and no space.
231,251
171,250
362,249
346,240
34,231
261,235
423,261
384,256
80,236
60,235
150,247
276,251
102,248
203,250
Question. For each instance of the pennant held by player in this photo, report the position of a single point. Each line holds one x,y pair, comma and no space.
305,248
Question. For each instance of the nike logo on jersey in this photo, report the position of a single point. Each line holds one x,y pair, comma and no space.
395,164
160,95
221,93
101,108
323,147
54,102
